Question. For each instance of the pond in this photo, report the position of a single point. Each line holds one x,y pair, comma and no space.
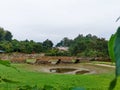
69,71
82,72
62,70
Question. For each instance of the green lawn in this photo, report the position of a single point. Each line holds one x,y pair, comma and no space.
58,81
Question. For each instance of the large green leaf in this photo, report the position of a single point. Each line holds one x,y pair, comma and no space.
114,52
117,52
111,47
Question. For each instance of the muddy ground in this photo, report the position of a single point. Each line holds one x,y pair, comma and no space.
91,68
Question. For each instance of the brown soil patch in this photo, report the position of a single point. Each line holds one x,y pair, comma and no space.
92,68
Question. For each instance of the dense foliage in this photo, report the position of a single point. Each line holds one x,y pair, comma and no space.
5,35
89,45
66,42
12,45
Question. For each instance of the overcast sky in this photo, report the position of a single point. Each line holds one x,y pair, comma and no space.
39,20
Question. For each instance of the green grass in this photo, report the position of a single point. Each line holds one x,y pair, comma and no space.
100,62
31,60
58,81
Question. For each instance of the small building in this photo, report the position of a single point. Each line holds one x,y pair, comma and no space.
1,51
63,48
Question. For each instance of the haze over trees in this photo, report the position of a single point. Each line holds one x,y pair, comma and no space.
88,46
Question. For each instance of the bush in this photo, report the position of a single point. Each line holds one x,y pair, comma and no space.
56,52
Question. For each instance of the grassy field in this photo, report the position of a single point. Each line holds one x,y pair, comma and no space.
32,78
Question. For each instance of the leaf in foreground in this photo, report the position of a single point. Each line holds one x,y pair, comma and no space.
117,52
111,47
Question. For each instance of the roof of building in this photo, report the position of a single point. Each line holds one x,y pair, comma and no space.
1,51
63,48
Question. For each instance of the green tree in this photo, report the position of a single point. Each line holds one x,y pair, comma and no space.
1,34
8,36
5,35
66,42
89,45
37,47
6,45
26,47
77,48
16,45
47,45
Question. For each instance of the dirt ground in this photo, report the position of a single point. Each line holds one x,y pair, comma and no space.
92,68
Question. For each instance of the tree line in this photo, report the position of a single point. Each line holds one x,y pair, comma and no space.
86,46
26,46
89,45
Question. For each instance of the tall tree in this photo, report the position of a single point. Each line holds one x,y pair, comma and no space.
1,34
47,44
66,42
37,47
8,36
